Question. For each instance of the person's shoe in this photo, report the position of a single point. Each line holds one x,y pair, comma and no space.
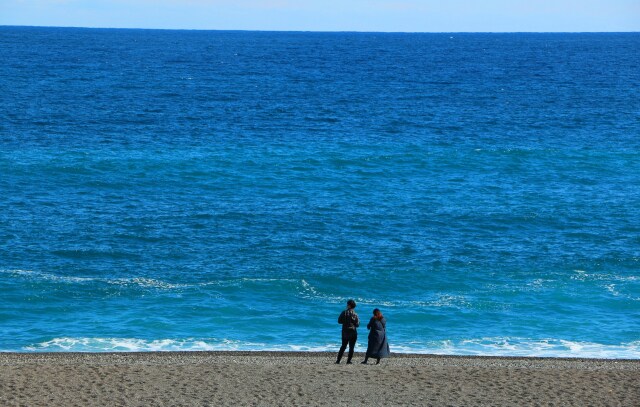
337,362
349,363
364,363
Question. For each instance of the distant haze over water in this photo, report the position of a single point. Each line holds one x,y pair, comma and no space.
211,190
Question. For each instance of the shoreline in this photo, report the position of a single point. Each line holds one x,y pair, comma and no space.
303,354
264,378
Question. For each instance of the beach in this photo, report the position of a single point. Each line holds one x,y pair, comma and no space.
303,379
189,211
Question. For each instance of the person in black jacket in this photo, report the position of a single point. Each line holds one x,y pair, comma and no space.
350,322
378,346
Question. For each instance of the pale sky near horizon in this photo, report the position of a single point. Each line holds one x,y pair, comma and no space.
331,15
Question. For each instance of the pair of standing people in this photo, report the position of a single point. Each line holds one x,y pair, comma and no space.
378,346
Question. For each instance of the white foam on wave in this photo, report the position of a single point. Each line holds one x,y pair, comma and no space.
135,281
145,282
442,300
46,276
128,345
582,275
310,292
17,272
472,347
140,281
525,347
163,345
306,290
623,286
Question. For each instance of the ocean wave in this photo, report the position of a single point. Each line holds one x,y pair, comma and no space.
308,291
135,281
303,287
97,345
582,275
439,300
143,281
623,286
245,280
521,347
524,347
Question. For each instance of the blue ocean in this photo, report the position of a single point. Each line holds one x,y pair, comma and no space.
211,190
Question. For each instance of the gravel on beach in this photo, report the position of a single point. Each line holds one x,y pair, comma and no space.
311,379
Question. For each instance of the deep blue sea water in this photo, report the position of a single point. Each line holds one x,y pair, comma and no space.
195,190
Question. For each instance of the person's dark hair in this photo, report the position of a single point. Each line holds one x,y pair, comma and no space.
377,314
351,304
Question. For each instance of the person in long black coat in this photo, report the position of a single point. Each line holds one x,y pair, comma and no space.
378,345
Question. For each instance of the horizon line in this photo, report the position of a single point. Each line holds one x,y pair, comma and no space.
316,31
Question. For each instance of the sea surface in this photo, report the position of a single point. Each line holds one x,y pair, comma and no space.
211,190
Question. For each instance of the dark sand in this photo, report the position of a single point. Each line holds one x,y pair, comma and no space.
311,379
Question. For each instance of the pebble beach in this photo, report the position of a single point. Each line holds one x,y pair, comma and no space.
311,379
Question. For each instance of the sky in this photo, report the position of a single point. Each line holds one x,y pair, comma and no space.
331,15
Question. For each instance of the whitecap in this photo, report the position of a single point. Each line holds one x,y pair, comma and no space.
494,346
87,344
523,347
135,281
